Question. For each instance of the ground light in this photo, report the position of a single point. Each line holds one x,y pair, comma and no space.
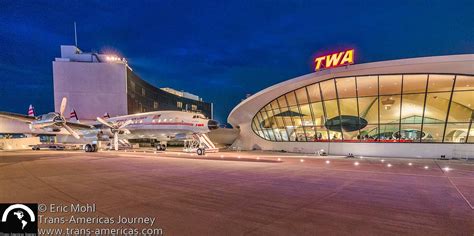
382,160
301,160
327,162
258,158
426,167
446,169
410,164
279,159
389,165
356,163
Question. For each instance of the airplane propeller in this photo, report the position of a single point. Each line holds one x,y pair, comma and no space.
62,120
115,128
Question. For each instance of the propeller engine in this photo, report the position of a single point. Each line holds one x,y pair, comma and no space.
60,120
116,128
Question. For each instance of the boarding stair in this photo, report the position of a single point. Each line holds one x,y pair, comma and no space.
199,142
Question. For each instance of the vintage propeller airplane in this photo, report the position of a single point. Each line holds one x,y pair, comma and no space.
162,126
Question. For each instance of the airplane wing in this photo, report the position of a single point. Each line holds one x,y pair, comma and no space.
15,116
79,126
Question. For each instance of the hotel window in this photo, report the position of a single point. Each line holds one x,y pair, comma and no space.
282,102
456,133
432,133
412,108
461,109
291,98
390,84
389,109
440,83
193,107
155,105
414,83
367,86
406,108
179,104
301,96
369,109
314,93
436,108
328,89
346,87
143,92
464,82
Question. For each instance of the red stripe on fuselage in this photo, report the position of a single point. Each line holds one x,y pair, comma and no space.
165,123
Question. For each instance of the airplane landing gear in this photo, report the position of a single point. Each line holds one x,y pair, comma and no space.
91,148
161,147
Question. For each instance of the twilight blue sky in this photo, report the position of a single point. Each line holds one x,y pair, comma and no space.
220,50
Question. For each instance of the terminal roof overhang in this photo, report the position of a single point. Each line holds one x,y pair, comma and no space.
452,64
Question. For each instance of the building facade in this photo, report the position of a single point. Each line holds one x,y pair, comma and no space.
96,84
421,107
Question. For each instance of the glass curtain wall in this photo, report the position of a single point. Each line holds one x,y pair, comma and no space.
402,108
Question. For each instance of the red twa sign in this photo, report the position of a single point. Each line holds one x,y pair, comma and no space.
334,60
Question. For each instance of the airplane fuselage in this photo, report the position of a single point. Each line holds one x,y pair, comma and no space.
163,125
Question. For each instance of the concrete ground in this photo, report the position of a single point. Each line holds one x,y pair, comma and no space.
251,193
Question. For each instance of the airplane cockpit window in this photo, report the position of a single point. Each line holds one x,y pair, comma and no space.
199,116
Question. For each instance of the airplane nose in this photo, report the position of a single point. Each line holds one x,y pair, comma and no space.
212,124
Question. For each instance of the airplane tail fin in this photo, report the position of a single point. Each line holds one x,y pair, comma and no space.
73,114
106,115
31,111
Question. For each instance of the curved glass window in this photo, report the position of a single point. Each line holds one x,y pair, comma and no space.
403,108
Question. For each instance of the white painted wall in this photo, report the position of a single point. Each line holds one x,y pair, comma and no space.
18,143
91,88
